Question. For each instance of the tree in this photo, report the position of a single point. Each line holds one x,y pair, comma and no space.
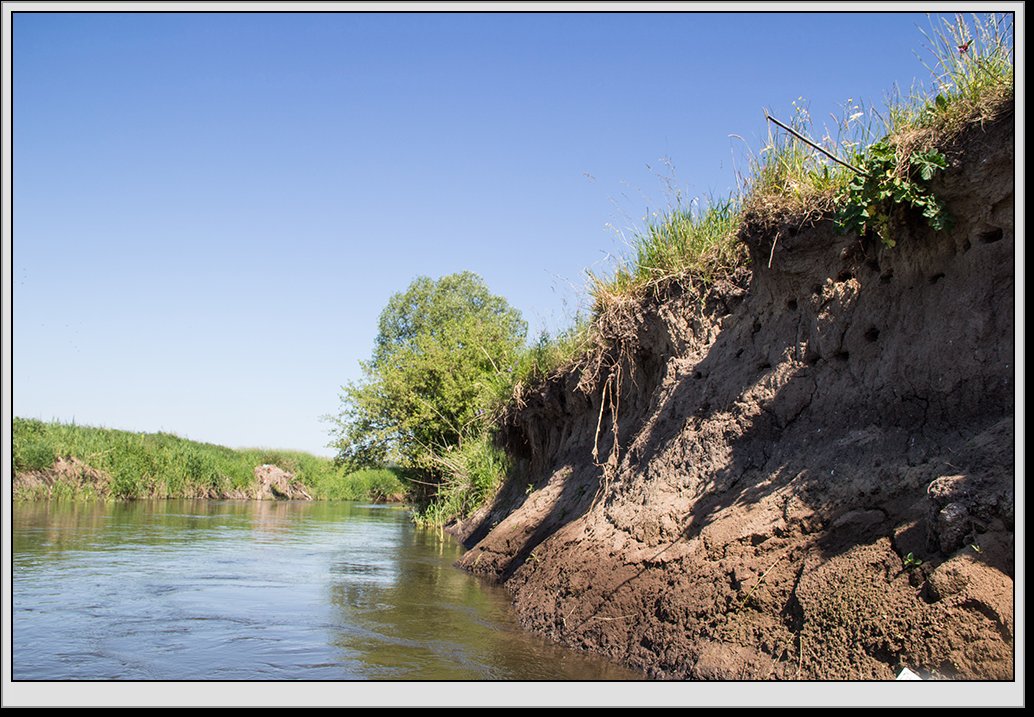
441,351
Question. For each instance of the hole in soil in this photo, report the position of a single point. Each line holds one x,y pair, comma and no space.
841,355
936,277
811,356
817,290
764,366
966,246
698,375
739,353
873,264
885,278
991,235
793,614
792,304
845,275
871,334
927,594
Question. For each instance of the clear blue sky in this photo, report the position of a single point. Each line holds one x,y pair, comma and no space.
211,210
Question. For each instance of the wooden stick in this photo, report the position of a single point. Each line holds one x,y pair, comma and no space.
807,141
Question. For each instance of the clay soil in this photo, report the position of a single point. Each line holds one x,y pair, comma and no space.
813,470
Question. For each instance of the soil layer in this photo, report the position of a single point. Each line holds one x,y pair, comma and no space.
803,472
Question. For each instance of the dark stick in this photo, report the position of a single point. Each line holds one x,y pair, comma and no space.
807,141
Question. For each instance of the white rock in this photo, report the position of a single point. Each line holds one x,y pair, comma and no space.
907,674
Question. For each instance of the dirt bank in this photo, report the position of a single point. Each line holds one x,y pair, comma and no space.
815,460
75,477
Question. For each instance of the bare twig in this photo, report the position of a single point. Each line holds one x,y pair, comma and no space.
800,652
808,142
760,580
771,254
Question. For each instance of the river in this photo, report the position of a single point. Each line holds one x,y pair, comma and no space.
252,590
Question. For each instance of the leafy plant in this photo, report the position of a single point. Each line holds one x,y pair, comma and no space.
887,185
912,562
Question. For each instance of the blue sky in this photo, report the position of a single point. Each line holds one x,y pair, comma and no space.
211,210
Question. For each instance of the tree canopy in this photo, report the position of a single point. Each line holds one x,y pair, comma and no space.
442,349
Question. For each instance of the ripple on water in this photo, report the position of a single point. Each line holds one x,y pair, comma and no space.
223,590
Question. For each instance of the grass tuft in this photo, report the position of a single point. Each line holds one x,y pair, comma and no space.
701,244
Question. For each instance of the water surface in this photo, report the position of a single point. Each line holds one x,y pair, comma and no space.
242,590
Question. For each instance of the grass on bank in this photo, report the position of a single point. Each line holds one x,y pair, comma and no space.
125,465
473,472
970,60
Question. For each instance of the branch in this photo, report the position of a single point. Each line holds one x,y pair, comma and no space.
808,142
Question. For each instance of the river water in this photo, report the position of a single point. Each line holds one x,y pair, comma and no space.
252,590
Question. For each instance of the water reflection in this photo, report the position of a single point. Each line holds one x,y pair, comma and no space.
259,590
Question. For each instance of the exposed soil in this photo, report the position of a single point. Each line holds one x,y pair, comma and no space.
274,483
271,483
67,471
814,466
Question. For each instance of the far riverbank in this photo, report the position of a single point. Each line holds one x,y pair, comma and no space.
64,461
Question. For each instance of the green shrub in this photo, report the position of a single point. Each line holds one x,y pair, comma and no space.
440,350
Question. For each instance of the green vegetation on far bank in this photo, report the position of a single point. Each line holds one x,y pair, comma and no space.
56,461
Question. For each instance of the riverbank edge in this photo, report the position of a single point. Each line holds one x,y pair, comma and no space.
809,473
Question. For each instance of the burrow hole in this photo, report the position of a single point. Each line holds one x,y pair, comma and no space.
990,236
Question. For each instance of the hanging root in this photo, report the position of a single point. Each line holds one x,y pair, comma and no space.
611,397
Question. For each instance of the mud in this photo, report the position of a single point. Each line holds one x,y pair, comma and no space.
813,470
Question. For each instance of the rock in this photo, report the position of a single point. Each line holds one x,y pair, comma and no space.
952,526
277,484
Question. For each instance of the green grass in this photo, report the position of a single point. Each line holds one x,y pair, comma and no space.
548,355
701,244
124,465
368,484
970,61
471,474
